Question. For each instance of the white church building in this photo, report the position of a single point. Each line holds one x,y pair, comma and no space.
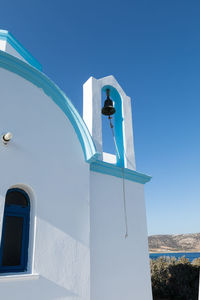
65,205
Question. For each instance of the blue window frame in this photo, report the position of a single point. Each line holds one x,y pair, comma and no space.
15,232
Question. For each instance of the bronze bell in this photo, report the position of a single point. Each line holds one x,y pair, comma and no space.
108,108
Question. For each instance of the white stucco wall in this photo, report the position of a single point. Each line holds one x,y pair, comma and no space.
119,266
2,45
110,158
10,50
77,245
46,159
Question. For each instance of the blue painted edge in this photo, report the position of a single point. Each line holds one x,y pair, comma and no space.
6,35
39,79
114,170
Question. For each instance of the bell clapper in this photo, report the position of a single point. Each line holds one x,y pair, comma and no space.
110,118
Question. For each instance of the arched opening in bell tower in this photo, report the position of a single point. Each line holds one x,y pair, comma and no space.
109,137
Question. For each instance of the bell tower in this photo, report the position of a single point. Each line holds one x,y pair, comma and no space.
92,91
119,257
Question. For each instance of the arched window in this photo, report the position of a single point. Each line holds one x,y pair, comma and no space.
15,233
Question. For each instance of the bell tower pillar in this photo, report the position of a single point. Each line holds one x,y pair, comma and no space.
119,257
92,91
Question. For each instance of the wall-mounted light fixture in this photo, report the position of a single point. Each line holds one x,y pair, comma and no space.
7,137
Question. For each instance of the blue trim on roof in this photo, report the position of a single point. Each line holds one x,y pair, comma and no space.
39,79
114,170
5,35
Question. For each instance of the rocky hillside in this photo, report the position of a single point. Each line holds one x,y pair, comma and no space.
175,243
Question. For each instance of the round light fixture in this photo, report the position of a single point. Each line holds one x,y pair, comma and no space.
7,137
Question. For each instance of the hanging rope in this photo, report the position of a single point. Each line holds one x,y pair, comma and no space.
123,179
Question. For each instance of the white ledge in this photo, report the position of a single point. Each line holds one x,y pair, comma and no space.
18,277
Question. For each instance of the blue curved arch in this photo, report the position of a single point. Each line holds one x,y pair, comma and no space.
39,79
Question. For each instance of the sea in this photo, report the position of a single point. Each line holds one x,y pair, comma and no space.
189,255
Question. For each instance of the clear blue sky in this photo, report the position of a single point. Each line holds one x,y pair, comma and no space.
152,47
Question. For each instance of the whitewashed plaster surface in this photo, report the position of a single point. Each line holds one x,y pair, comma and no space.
46,159
3,45
77,245
110,158
6,47
10,50
119,266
